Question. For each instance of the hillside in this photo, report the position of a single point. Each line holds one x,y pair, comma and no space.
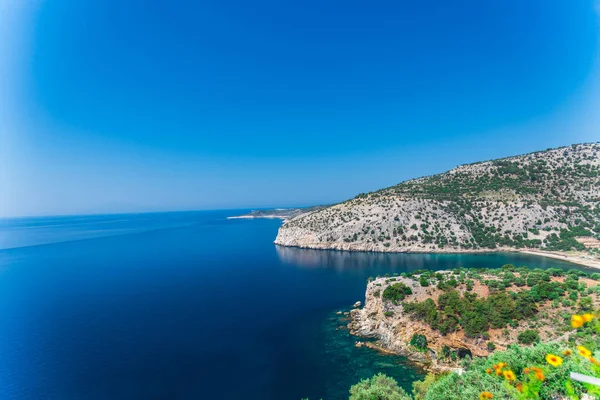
547,200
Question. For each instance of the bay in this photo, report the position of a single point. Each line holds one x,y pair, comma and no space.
188,305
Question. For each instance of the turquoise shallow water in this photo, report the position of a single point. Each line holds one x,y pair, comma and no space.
187,306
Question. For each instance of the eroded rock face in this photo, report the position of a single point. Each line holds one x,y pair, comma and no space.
517,202
395,330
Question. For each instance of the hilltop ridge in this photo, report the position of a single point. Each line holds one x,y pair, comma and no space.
542,201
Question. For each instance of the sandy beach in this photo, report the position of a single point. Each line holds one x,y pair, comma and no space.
575,258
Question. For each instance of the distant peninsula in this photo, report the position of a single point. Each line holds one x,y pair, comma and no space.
545,203
281,213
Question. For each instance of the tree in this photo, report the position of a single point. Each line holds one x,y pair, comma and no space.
420,388
474,324
419,341
395,292
379,387
586,303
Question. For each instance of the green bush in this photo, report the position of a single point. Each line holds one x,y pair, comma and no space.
379,387
420,388
419,341
529,336
475,380
395,292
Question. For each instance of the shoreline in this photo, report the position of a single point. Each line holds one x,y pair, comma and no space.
282,217
577,259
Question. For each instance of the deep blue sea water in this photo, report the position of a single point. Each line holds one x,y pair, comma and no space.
187,306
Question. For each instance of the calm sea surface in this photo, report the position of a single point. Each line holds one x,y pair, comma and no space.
187,306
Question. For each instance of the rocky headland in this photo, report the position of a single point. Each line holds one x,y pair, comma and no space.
437,318
547,202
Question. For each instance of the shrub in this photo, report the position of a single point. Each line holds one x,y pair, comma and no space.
586,303
379,387
475,380
529,336
420,388
395,292
520,282
419,341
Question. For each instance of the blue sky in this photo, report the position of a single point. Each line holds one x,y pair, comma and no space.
131,105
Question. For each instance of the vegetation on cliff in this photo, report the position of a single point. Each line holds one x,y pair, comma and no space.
515,294
517,373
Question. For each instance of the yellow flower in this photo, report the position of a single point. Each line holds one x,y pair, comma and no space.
485,395
509,375
502,365
488,371
594,361
567,352
577,321
526,371
553,360
584,352
588,317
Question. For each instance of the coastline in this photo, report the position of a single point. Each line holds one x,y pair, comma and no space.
282,217
573,258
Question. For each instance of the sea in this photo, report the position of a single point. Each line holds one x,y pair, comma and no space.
189,305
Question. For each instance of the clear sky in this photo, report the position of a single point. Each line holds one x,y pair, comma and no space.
145,105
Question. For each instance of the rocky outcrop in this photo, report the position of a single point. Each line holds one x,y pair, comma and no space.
394,329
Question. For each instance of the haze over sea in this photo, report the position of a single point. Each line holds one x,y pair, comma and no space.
187,305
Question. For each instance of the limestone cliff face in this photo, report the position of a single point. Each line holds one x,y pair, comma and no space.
517,202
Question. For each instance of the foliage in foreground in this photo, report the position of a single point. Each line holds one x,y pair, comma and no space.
526,383
379,387
538,372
